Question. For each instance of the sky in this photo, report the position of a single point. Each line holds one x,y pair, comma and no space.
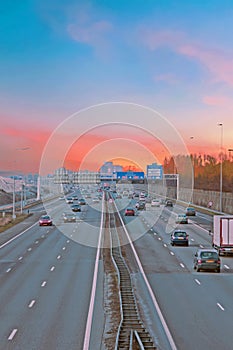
60,57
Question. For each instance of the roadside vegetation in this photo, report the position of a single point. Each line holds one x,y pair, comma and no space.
206,170
7,221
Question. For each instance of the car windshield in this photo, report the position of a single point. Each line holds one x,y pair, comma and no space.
209,255
180,234
45,217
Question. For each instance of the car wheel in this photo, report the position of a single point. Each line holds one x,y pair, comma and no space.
187,244
198,270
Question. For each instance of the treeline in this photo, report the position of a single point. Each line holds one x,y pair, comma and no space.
206,171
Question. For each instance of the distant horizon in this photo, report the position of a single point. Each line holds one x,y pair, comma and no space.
64,59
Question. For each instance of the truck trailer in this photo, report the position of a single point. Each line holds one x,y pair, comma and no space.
223,234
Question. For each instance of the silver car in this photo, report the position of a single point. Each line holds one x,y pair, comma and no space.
207,259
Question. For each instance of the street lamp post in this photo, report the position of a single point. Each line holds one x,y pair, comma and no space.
230,156
220,184
193,182
13,204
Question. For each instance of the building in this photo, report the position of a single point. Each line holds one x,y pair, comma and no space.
108,171
154,171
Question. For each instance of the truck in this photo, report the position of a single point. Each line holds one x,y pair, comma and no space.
223,234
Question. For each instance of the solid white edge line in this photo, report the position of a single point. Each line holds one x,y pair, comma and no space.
162,320
20,234
94,285
13,333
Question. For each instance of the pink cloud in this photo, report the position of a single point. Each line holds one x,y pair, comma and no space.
219,101
219,63
90,33
170,78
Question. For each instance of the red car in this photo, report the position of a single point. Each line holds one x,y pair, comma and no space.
129,212
45,220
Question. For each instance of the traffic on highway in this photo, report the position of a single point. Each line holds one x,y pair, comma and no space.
59,286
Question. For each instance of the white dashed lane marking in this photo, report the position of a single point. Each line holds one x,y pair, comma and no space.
12,334
197,281
220,306
182,265
59,257
52,268
172,253
43,284
8,270
226,267
31,304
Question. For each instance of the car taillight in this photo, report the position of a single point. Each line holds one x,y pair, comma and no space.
219,261
199,261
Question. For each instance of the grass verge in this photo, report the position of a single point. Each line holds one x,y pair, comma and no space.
7,222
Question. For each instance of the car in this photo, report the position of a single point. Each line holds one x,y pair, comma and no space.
69,200
155,203
95,200
45,220
179,237
168,203
129,212
190,211
75,198
207,259
140,205
181,219
81,201
69,217
75,207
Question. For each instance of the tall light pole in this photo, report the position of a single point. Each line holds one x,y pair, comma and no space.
13,204
220,184
193,182
230,156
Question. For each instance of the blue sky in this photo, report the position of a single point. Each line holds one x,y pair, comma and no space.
59,56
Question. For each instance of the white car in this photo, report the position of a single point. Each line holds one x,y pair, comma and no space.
95,200
155,203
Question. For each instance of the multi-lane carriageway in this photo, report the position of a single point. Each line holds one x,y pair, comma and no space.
54,290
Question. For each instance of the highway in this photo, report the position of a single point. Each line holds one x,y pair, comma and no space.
46,276
46,281
197,306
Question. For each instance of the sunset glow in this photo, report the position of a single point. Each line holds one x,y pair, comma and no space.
60,58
